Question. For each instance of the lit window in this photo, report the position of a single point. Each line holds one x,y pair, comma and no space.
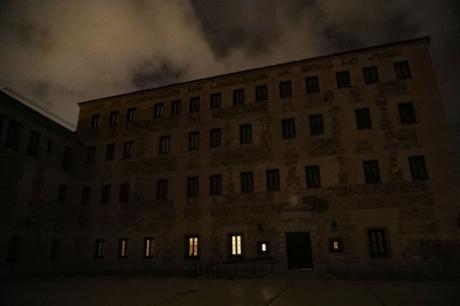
236,247
123,248
99,254
263,247
148,247
335,245
192,247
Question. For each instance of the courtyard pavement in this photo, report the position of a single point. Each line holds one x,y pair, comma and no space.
145,291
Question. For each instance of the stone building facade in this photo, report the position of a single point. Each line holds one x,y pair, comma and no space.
339,163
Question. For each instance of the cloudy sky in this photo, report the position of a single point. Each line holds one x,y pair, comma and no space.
59,52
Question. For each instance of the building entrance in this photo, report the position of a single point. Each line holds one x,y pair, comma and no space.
298,248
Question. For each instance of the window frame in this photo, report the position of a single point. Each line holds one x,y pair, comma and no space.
247,181
128,150
193,186
368,167
343,79
239,253
371,75
163,144
99,248
402,70
313,176
285,89
176,106
316,124
192,253
406,113
131,115
215,184
215,100
215,138
162,189
113,119
288,128
273,179
384,249
261,93
158,110
363,118
194,141
194,104
245,133
418,168
312,84
238,96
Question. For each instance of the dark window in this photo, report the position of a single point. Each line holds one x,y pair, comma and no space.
159,110
194,104
216,101
13,135
235,245
312,176
49,146
2,123
247,182
215,136
162,189
85,196
193,141
124,192
99,251
128,150
113,119
110,151
285,89
288,127
14,249
34,144
371,171
263,247
343,79
418,168
91,155
192,247
402,70
175,107
95,121
66,160
105,194
131,115
238,96
316,125
371,75
335,245
163,146
245,133
193,187
261,93
312,84
363,119
62,192
406,113
273,179
215,184
148,247
123,248
54,250
378,244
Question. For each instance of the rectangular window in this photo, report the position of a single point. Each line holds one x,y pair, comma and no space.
261,93
273,179
215,138
312,176
14,249
148,247
123,248
110,151
192,247
49,146
99,251
54,250
113,119
245,133
288,127
124,192
34,144
406,113
175,107
163,146
285,89
85,196
238,96
316,125
371,75
159,110
194,104
335,245
312,84
378,244
263,247
193,141
162,189
216,101
95,119
66,160
105,194
215,184
247,182
128,150
371,171
62,192
2,123
131,115
91,155
418,168
343,79
363,119
193,187
13,135
235,242
402,70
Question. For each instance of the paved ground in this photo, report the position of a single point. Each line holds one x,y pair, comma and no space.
134,291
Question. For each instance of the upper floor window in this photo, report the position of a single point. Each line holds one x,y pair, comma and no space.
105,194
371,75
316,124
215,136
162,189
247,182
215,184
163,146
192,247
238,96
91,155
175,107
371,171
110,151
128,150
99,252
131,115
273,179
216,100
312,84
343,79
402,70
193,187
66,160
123,248
312,176
285,89
418,168
193,141
261,93
158,110
378,242
288,127
245,133
13,135
113,119
62,192
95,119
85,196
363,118
194,104
124,192
34,144
235,244
406,113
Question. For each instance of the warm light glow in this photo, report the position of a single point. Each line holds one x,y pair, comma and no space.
335,245
264,247
236,244
123,248
148,247
193,247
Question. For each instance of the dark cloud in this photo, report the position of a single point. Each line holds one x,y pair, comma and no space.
150,74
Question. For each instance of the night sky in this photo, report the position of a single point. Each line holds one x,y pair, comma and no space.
60,52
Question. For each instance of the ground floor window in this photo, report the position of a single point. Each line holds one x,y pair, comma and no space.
235,244
99,254
148,247
123,248
378,242
335,245
263,247
192,247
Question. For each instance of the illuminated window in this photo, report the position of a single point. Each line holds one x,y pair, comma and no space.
235,245
285,89
131,115
192,247
378,243
158,110
263,247
123,248
128,150
312,84
261,93
216,100
95,121
163,146
99,254
238,96
175,107
335,245
148,247
110,151
113,119
194,104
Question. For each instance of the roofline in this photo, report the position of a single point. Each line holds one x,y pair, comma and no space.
425,39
